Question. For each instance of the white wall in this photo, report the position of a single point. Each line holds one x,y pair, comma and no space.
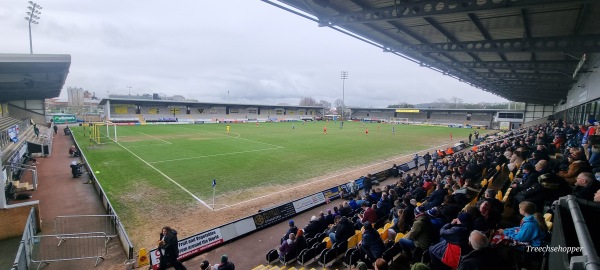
587,87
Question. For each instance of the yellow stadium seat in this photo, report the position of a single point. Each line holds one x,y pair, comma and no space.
352,241
358,235
499,195
383,233
506,195
398,237
328,242
419,203
388,225
484,182
511,176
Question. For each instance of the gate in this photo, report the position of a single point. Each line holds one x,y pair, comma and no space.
47,248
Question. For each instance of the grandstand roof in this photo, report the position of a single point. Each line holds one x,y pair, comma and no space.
522,50
32,76
154,102
435,109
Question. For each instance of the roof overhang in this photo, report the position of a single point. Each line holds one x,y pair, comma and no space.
521,50
32,76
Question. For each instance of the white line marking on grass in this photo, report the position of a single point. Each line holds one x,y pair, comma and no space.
155,137
166,176
330,177
147,145
236,137
216,155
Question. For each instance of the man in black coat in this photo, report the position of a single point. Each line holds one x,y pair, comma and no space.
312,228
344,230
586,186
169,249
482,256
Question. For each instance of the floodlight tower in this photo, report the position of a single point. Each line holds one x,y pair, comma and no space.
343,76
32,17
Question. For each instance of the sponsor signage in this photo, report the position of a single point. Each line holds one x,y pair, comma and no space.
273,215
309,202
407,111
64,119
332,193
191,246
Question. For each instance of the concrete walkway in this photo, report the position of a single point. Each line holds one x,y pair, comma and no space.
60,194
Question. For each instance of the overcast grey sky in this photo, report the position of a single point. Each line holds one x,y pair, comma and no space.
202,49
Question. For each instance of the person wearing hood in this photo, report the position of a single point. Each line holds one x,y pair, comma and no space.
419,235
169,249
371,243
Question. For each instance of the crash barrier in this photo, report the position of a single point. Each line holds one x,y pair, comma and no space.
207,240
24,251
573,220
110,210
46,249
69,225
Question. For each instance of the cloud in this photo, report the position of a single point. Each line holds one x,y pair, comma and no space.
259,53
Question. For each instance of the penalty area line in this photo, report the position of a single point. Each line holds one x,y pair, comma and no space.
155,137
166,176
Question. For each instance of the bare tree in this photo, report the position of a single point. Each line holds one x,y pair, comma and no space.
324,104
337,104
456,101
441,103
308,101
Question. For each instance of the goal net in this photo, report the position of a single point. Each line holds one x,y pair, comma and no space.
100,132
394,120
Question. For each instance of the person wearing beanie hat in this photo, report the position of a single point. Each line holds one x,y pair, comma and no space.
371,244
204,265
465,218
420,266
419,235
292,229
361,266
225,264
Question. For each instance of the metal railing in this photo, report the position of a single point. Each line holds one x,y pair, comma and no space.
122,233
44,248
24,252
64,226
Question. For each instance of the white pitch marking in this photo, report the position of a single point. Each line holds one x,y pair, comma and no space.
321,180
237,137
154,137
216,155
166,176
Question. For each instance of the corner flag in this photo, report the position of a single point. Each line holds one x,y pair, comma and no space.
214,184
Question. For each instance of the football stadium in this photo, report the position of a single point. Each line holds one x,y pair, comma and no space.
145,182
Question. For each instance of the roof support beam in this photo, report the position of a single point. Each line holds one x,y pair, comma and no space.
544,66
589,44
427,8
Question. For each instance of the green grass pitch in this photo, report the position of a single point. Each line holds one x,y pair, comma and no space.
250,156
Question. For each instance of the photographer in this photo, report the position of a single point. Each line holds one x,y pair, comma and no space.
76,169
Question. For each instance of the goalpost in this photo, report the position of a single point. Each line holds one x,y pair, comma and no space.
96,135
395,120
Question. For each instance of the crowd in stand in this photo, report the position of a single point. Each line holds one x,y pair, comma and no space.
446,216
